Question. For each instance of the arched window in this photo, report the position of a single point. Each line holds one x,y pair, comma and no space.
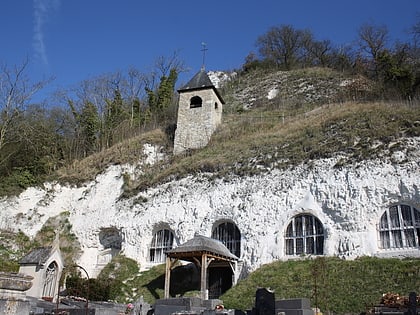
304,235
399,227
229,234
50,282
162,241
196,101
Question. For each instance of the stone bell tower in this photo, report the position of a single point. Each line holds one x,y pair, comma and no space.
199,113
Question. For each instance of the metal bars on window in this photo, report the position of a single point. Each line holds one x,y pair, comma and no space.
162,241
304,235
229,234
399,227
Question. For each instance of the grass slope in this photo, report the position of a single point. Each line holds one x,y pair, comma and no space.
259,140
334,285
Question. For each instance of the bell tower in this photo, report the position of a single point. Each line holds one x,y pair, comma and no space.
199,113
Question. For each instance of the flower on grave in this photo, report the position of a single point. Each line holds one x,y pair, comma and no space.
129,308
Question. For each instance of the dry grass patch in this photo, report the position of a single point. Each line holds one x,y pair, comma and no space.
246,145
128,151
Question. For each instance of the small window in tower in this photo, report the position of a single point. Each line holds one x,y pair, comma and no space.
216,105
196,101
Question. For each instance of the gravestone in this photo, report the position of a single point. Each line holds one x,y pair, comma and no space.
264,302
13,299
412,304
300,306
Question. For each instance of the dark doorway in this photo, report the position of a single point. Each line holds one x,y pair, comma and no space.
220,280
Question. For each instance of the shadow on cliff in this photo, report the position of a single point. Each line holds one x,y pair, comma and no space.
183,279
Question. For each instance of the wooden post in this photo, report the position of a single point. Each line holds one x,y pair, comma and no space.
204,276
167,277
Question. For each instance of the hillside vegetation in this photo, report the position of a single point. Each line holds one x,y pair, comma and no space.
280,133
303,122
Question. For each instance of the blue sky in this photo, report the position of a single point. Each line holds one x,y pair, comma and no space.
74,40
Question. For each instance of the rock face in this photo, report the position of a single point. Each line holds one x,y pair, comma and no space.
348,201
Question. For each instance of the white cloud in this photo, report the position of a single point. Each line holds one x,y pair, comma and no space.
42,10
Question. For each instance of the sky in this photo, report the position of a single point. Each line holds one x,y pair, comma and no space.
76,40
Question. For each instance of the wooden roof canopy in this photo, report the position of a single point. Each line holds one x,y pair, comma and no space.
202,251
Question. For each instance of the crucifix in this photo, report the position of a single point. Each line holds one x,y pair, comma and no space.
204,49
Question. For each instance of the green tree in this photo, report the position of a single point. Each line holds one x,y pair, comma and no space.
394,72
114,116
89,124
87,128
160,100
36,150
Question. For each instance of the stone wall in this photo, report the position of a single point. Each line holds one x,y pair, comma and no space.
196,125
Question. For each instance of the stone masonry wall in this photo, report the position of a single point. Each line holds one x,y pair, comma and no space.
196,125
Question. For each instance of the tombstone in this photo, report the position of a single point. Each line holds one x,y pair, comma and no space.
13,299
299,306
264,302
412,304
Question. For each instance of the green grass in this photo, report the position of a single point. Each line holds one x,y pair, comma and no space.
334,285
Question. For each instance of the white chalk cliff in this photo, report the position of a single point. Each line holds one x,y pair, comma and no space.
349,202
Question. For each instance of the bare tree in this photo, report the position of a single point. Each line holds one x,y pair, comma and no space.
373,39
281,45
16,92
135,85
165,64
415,31
319,51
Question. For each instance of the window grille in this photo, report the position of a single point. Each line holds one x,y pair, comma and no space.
399,227
51,274
162,241
304,235
229,234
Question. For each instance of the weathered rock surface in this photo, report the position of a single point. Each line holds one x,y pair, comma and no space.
348,200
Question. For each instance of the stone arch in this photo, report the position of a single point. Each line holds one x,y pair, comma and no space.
304,235
196,101
162,241
229,234
50,281
399,227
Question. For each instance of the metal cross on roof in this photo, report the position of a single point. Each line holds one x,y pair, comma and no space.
204,49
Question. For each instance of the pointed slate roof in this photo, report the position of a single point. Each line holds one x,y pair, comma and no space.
200,244
201,81
37,256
